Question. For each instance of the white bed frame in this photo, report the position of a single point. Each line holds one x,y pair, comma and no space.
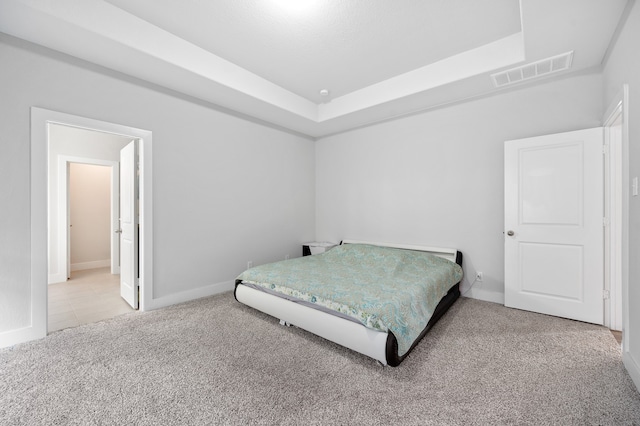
342,331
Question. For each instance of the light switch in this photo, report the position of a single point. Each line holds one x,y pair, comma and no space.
634,186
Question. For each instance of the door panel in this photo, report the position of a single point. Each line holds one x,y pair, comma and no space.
547,167
564,261
129,225
554,225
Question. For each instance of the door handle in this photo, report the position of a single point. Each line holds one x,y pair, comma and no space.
511,233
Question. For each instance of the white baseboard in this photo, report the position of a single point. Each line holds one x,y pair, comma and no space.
185,296
13,337
632,367
479,293
57,278
91,265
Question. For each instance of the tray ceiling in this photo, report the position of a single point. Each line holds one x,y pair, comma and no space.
377,59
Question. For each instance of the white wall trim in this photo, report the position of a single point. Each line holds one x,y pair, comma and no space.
83,266
193,294
479,293
625,220
37,327
58,277
632,366
623,97
145,221
13,337
613,202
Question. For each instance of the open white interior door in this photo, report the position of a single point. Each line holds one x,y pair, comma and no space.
554,225
129,224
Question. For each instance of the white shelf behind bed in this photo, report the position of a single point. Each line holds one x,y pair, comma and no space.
446,253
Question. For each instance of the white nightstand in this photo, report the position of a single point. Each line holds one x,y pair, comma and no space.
316,247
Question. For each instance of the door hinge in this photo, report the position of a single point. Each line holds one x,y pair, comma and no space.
605,221
605,149
605,294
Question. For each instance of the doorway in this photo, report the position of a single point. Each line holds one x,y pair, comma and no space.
41,121
87,244
59,237
614,219
90,203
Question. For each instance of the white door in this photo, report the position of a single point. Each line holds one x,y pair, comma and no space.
554,225
129,225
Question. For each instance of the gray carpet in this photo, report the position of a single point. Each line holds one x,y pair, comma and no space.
214,361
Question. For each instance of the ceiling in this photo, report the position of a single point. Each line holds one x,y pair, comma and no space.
269,59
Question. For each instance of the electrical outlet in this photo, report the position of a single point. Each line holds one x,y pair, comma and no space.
286,257
249,264
479,276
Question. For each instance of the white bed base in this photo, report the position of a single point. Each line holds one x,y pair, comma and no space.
344,332
339,330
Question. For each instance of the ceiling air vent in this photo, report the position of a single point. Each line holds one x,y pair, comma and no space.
533,70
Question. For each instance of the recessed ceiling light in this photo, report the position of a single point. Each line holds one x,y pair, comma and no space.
295,6
324,92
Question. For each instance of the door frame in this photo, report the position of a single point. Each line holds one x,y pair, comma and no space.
40,120
64,212
612,204
619,107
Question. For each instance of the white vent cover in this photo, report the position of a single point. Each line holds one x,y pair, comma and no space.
533,70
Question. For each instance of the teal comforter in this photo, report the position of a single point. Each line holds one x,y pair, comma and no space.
385,289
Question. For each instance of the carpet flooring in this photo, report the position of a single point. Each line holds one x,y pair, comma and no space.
216,362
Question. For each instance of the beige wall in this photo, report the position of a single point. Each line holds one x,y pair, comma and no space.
90,214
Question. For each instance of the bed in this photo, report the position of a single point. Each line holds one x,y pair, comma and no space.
375,298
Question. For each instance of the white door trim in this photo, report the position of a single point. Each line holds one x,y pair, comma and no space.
622,101
613,231
40,120
63,212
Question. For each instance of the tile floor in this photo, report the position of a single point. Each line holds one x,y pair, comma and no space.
89,296
617,335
